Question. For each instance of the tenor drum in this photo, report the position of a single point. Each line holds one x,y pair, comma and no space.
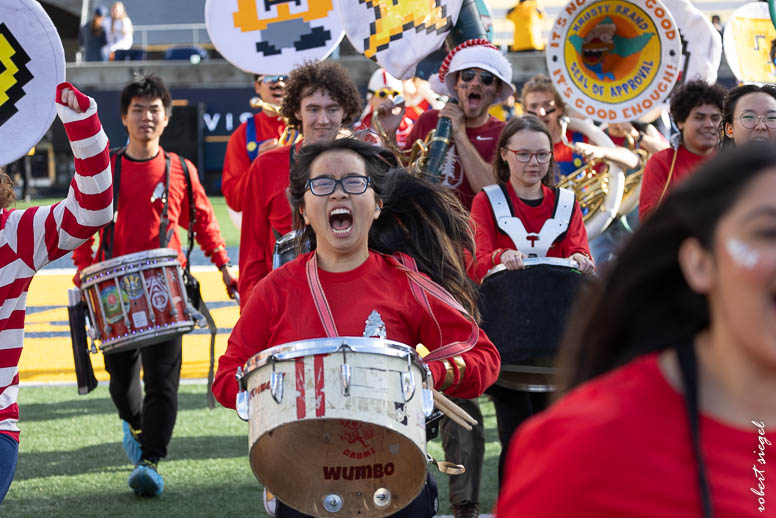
523,313
136,300
337,425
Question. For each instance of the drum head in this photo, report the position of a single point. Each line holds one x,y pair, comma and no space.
305,462
272,37
32,64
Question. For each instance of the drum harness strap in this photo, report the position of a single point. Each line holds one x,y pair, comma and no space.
421,286
165,233
540,243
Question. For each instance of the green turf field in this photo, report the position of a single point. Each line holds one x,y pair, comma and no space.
228,230
71,462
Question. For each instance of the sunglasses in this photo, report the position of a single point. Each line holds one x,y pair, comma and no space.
386,92
272,79
548,109
486,77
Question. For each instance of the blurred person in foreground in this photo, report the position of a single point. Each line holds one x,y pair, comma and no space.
670,365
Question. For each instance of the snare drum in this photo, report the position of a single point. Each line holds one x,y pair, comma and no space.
338,425
136,300
524,313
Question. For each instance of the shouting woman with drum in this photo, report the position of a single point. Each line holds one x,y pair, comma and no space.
519,220
671,365
369,227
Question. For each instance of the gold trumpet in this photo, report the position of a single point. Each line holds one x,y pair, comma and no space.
291,134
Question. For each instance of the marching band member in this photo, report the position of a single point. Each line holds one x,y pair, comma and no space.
540,98
320,99
696,108
525,169
32,238
475,75
256,135
353,211
155,188
750,114
381,92
670,365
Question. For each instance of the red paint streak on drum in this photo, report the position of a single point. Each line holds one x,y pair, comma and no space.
301,411
320,397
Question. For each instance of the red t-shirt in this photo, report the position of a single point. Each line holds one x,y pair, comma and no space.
619,446
656,175
282,310
484,138
489,238
137,223
237,162
268,213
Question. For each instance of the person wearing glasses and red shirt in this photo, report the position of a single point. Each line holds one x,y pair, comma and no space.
750,114
251,138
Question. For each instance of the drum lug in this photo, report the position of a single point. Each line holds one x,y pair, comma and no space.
332,503
346,373
242,405
428,402
382,497
276,380
407,385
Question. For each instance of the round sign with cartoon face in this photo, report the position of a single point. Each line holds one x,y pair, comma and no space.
273,36
32,64
614,60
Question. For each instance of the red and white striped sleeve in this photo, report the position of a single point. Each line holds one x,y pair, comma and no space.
43,234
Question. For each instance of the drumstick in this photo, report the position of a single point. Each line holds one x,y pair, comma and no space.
455,418
449,408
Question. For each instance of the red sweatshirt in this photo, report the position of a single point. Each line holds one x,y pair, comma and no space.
267,213
283,311
619,447
484,139
237,162
656,175
137,224
488,238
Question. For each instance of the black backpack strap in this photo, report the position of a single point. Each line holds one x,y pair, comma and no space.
109,233
164,222
192,208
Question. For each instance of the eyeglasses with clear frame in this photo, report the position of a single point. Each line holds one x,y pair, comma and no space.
523,155
325,185
750,120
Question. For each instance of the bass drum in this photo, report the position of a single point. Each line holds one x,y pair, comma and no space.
523,313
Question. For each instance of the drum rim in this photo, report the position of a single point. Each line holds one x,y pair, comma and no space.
314,346
156,253
535,261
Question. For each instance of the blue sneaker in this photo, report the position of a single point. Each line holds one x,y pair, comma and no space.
145,481
131,444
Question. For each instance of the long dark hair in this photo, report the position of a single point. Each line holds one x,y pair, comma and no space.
524,122
418,218
644,304
731,101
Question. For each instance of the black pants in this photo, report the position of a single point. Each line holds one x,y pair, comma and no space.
425,505
155,412
512,408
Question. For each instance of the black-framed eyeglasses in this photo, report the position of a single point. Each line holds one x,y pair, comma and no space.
523,155
750,120
325,185
486,77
